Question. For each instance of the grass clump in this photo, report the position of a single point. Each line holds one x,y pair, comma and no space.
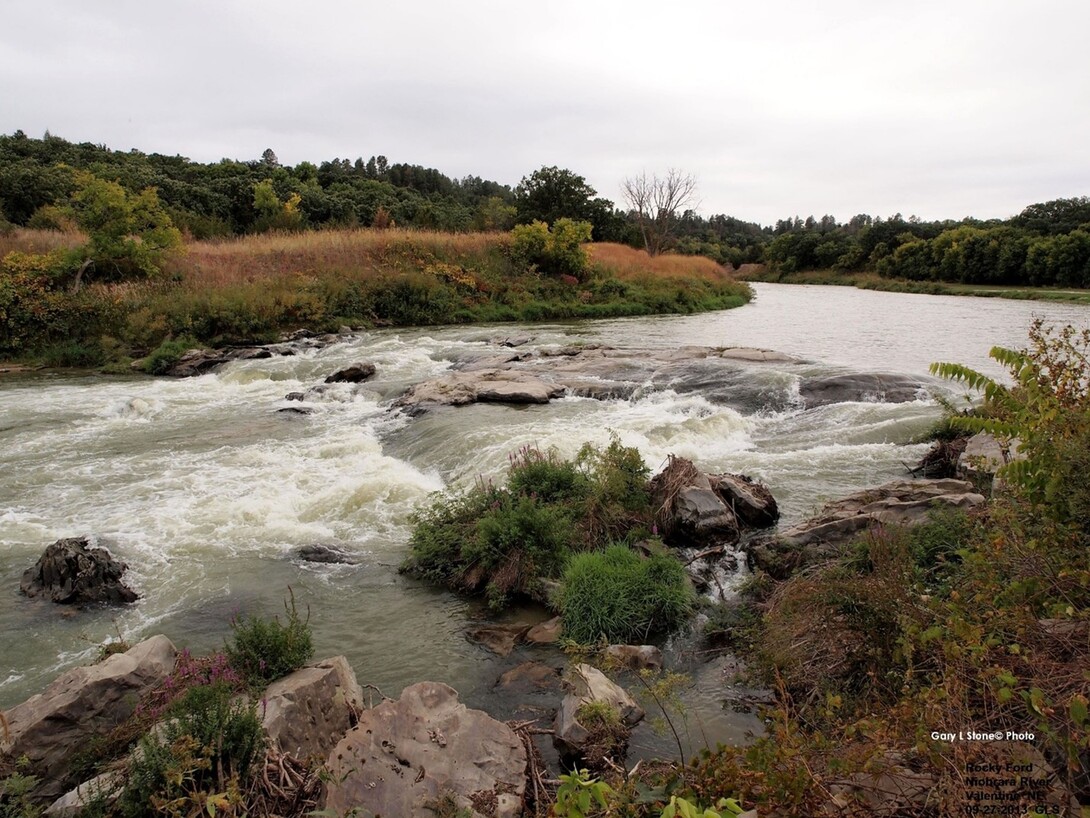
623,597
263,650
509,540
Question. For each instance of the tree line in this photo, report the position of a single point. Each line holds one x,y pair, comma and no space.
1047,244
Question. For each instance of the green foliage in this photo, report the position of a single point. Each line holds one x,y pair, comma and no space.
264,650
164,356
506,540
199,760
620,596
129,235
16,792
558,250
1047,410
580,796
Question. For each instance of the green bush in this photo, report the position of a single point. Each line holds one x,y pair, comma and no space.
621,596
559,250
164,356
506,540
200,759
263,650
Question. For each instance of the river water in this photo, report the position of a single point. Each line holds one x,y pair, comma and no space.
207,491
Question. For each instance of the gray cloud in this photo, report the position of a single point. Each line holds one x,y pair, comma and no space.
940,109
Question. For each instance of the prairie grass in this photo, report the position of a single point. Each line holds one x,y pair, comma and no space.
249,289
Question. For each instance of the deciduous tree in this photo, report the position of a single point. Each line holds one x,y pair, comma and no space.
656,201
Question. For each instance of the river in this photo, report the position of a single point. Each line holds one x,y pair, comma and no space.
206,490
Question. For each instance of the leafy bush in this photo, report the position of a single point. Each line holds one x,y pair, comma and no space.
264,650
559,250
621,596
1046,410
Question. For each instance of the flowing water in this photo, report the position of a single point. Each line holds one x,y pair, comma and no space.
207,491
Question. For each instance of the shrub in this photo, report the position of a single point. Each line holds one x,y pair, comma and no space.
621,596
199,760
559,251
506,540
263,650
164,356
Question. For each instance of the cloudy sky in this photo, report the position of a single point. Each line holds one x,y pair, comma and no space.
939,109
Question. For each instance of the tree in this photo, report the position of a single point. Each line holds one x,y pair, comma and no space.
656,201
128,234
268,158
553,193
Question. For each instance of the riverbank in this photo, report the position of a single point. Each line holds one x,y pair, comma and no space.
252,288
873,281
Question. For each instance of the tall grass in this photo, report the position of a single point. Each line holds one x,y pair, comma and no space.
248,289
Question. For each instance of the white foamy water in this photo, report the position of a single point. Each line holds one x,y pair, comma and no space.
206,489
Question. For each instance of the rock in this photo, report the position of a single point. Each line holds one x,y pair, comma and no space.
405,755
250,354
307,712
530,677
545,633
869,388
691,513
326,554
588,684
195,362
523,390
901,502
499,639
491,385
296,410
356,373
294,396
893,791
703,518
635,657
106,787
984,455
72,573
751,502
51,728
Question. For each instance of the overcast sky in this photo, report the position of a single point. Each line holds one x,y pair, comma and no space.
938,109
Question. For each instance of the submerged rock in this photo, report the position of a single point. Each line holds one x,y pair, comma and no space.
55,726
500,639
545,633
70,572
530,677
822,537
405,756
325,554
867,387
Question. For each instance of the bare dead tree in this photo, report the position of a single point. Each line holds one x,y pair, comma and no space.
656,201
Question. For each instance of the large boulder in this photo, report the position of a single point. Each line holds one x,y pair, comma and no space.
71,572
486,385
405,757
752,502
51,728
307,712
690,512
898,503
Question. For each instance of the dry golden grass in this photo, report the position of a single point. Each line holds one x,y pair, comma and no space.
25,240
247,259
627,262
